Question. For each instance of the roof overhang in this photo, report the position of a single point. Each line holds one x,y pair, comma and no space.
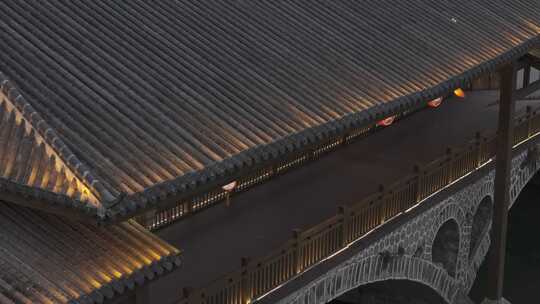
186,187
45,258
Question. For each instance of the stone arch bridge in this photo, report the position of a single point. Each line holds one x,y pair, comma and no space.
441,246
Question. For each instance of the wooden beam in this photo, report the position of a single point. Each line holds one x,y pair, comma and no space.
502,182
529,60
528,90
535,56
535,52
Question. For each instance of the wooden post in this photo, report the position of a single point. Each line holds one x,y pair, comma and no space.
529,121
478,146
344,139
297,259
527,76
189,206
417,180
148,219
450,166
505,136
227,199
245,284
342,210
382,204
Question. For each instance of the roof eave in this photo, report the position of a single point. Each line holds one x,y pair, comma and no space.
137,279
186,186
46,201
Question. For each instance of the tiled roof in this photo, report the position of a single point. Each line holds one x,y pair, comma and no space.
27,159
146,99
47,259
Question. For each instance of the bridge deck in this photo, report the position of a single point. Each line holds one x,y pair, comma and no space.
263,218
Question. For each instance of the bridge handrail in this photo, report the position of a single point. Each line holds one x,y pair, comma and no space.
306,248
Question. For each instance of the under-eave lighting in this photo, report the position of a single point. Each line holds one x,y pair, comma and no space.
230,186
435,102
459,93
386,122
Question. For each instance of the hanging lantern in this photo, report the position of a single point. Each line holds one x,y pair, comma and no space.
386,122
459,93
230,186
435,102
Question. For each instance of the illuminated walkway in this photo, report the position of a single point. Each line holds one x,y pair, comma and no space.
263,218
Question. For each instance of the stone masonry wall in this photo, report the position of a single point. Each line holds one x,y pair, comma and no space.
406,253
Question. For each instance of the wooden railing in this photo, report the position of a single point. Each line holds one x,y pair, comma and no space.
157,219
306,248
161,218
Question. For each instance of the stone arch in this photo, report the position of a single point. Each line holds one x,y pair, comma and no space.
522,174
373,269
445,248
392,291
486,191
480,224
476,260
417,237
451,212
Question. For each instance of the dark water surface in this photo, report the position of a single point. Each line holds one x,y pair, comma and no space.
522,278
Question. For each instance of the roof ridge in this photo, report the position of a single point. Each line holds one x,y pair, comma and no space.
45,133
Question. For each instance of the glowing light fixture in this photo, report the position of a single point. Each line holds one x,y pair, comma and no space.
435,102
386,122
459,93
228,188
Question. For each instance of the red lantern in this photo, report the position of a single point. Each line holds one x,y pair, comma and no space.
435,102
386,122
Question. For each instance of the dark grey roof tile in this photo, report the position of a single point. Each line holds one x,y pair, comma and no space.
45,258
133,95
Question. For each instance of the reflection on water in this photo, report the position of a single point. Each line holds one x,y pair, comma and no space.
522,278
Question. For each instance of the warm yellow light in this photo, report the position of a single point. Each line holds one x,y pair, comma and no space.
459,93
104,276
95,283
117,273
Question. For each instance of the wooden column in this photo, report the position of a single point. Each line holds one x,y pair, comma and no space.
526,76
502,183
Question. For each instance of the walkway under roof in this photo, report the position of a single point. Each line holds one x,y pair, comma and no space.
116,105
47,259
262,219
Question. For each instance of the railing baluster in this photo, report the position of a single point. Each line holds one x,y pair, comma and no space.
448,167
297,260
417,181
345,223
351,222
529,121
246,288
